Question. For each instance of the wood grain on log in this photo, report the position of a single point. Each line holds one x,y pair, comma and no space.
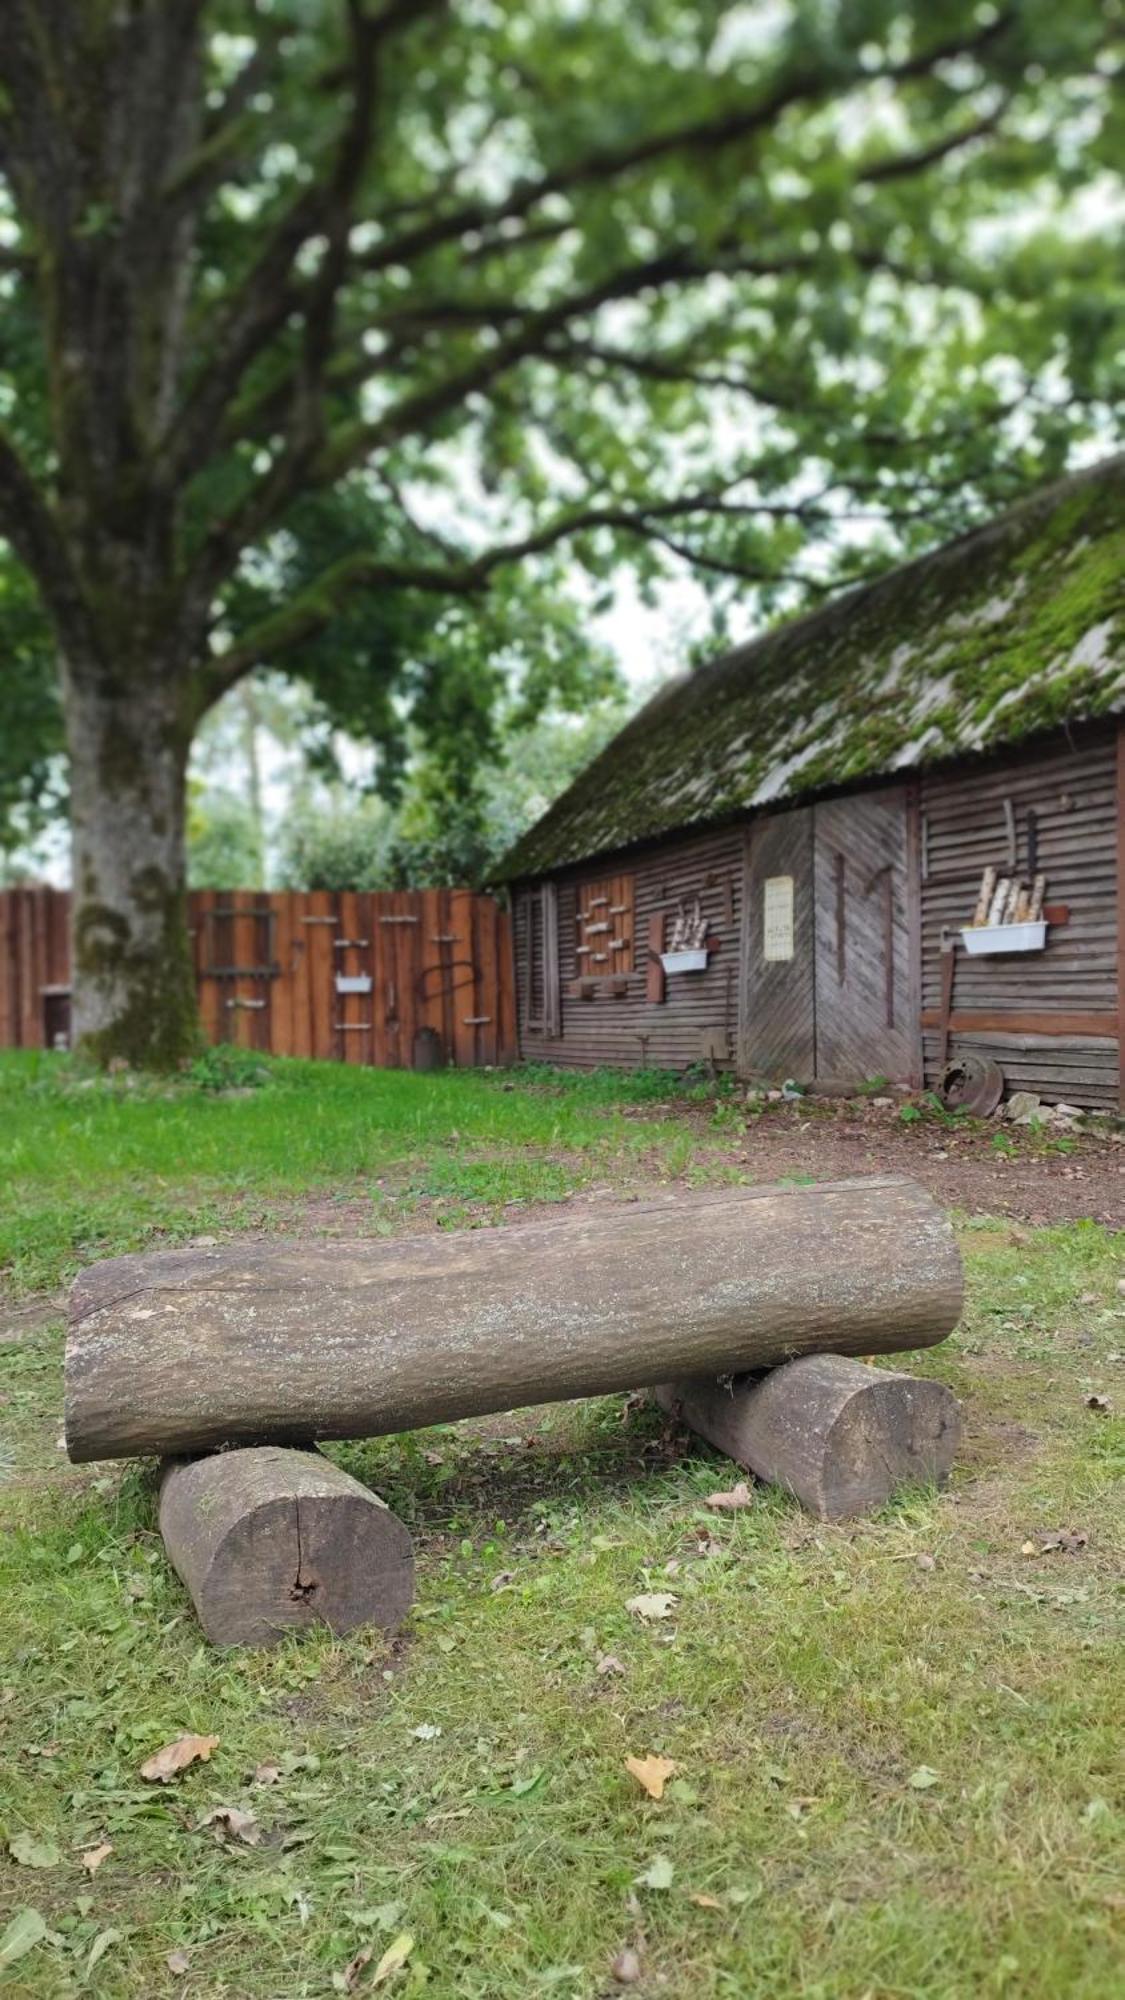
283,1342
267,1540
837,1434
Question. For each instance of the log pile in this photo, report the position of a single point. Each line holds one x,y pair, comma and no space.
256,1351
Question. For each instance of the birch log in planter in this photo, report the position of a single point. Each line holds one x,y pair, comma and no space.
284,1342
838,1435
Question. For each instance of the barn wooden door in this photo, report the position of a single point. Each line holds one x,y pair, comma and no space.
866,999
776,1016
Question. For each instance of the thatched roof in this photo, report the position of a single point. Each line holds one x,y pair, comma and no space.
1007,632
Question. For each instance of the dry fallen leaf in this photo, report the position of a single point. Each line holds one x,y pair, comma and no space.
1028,1549
235,1823
178,1961
651,1604
176,1757
93,1857
730,1502
267,1774
356,1966
626,1967
1102,1404
608,1663
651,1773
394,1958
703,1902
1067,1541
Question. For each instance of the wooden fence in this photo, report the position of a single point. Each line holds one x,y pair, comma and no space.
402,980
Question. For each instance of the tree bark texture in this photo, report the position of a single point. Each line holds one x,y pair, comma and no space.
134,989
270,1541
276,1342
839,1435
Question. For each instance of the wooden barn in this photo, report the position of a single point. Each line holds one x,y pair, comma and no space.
779,865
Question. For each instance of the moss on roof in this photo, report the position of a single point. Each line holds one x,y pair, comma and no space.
1011,630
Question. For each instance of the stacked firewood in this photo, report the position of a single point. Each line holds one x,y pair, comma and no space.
1006,899
689,928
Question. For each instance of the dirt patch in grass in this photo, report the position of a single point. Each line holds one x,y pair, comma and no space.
980,1167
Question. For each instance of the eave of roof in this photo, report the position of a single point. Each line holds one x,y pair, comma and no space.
1013,629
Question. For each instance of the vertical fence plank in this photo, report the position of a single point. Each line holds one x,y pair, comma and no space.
207,987
281,986
321,932
506,987
7,968
31,919
487,998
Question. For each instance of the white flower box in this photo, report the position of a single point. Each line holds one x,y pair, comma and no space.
981,939
684,961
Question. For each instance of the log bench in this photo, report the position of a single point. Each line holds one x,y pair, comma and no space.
739,1308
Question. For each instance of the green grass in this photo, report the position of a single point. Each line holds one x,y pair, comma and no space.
91,1168
807,1674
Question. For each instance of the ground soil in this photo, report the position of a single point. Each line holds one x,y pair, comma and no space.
960,1165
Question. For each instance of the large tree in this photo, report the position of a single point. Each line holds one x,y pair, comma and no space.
688,280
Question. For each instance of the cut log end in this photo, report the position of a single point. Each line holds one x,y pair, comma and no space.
268,1540
839,1435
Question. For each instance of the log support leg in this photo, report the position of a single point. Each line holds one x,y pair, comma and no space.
269,1540
839,1435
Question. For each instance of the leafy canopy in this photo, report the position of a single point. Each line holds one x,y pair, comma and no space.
338,331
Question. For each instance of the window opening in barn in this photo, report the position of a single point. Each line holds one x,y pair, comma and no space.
603,927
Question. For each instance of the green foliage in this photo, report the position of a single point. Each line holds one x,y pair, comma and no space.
443,832
224,1066
224,842
345,845
31,728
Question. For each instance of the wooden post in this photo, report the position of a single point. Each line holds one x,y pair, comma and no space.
839,1435
269,1540
274,1342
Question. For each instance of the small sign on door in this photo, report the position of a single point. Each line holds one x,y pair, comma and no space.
777,918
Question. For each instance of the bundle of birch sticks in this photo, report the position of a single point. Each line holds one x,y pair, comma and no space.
748,1311
1007,900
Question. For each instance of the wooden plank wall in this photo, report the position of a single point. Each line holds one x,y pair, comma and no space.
266,968
34,953
778,1022
866,938
1049,1018
700,1009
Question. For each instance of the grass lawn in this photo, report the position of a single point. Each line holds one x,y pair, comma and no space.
897,1742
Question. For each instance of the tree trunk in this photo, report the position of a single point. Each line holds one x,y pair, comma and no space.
132,977
282,1342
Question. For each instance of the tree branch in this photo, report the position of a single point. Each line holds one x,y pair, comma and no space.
268,297
316,606
29,525
900,166
609,163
